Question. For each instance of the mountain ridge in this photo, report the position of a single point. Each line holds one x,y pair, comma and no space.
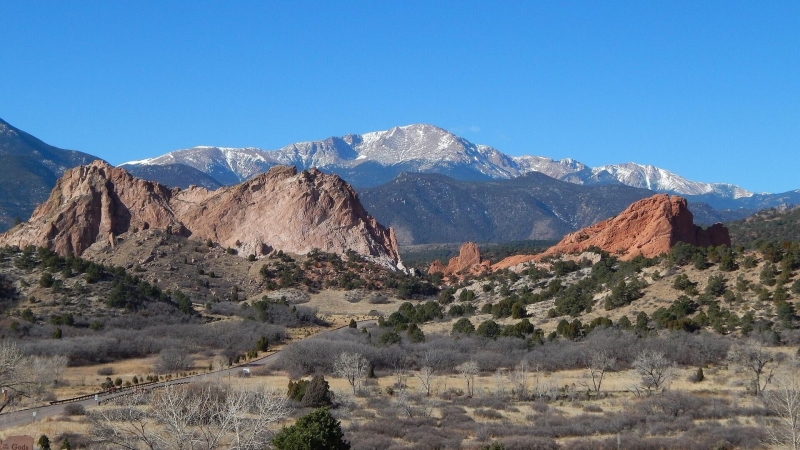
29,169
427,148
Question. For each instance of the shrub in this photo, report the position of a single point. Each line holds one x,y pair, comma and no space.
43,442
488,413
297,390
389,338
463,326
317,393
415,334
105,371
716,285
74,409
489,329
466,295
318,430
379,299
46,280
698,376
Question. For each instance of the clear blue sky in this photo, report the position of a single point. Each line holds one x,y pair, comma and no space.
710,90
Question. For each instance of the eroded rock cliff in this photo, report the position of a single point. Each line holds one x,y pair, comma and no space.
280,209
647,227
467,261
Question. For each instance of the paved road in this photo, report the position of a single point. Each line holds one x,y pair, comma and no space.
23,417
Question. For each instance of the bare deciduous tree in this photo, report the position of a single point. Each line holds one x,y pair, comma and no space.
426,376
500,381
752,356
126,425
520,377
28,376
598,362
430,361
784,401
400,367
352,367
56,366
654,369
173,360
468,370
206,416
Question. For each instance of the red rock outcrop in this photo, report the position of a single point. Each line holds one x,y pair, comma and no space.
468,260
647,227
280,209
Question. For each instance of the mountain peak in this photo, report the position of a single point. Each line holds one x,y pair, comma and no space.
376,157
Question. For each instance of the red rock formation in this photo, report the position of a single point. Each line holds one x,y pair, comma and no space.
468,260
647,227
280,209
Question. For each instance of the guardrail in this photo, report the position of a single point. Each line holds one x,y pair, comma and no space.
110,391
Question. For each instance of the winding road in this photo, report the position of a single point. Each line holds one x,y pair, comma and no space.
23,417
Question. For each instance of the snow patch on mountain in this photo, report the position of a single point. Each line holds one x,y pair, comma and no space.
427,148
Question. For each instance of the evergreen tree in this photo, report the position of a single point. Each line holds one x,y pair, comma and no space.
415,334
318,430
463,326
699,376
317,393
43,442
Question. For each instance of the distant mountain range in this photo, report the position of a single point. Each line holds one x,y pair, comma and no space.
29,169
424,180
433,208
371,159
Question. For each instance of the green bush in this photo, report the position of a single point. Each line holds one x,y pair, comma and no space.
624,293
297,390
46,280
716,285
415,334
389,338
318,430
463,326
489,329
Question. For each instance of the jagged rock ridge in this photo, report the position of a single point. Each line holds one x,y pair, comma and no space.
374,158
648,227
280,209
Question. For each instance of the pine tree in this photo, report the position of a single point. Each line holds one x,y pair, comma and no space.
318,430
43,442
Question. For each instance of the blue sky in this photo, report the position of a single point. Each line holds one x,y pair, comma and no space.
710,90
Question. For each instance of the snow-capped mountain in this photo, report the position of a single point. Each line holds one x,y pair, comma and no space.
375,158
657,179
226,165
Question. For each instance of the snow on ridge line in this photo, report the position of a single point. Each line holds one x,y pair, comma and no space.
140,162
431,144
